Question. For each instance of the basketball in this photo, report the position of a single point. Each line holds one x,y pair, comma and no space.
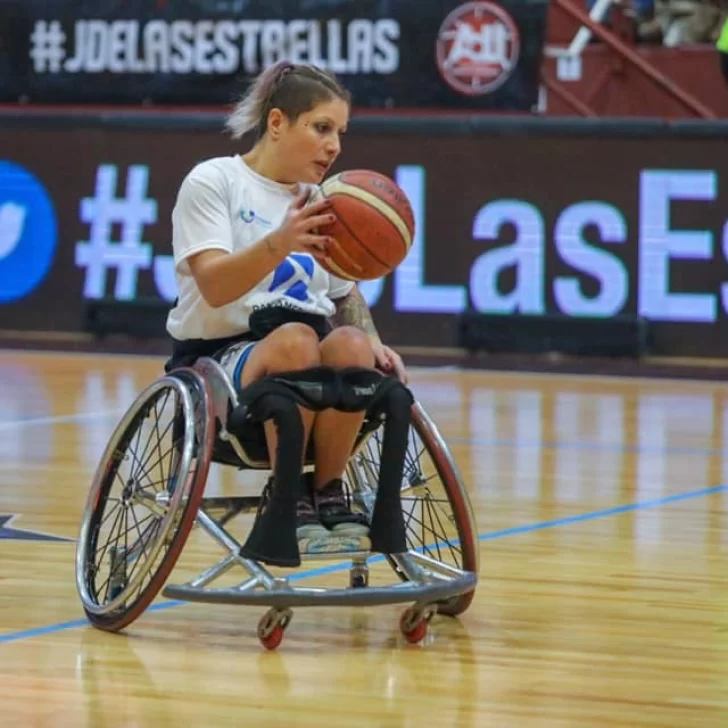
374,224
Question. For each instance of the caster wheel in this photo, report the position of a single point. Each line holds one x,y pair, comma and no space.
271,627
273,638
359,578
414,625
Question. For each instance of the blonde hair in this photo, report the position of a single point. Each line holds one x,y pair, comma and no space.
292,88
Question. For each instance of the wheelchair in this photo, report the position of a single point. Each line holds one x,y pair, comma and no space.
148,493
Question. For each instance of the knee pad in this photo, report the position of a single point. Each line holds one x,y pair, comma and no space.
315,388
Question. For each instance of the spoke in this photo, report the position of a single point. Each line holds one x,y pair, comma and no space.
117,503
98,564
140,426
142,540
159,439
165,479
143,463
143,467
438,538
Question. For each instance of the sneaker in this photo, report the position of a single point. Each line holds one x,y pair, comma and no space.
308,525
334,511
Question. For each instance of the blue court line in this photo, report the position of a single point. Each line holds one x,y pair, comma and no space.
593,446
527,528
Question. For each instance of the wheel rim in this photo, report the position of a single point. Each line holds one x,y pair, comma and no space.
136,498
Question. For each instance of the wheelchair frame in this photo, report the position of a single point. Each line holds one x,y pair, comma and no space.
206,399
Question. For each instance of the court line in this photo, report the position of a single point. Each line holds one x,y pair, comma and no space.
59,419
491,536
593,446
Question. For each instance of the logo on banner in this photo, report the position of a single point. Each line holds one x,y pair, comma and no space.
477,49
206,46
28,232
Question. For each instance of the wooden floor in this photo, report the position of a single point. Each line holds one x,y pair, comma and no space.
603,518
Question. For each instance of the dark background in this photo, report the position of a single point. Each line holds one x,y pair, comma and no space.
465,168
416,83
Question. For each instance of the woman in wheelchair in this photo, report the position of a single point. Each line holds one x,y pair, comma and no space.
251,293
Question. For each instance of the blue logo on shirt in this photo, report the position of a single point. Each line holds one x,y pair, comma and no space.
293,277
249,216
28,232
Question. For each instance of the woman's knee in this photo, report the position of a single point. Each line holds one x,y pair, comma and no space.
290,347
296,346
347,346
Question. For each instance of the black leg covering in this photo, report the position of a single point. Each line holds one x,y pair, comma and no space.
272,539
387,531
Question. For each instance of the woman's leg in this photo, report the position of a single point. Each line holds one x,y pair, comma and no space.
295,346
289,348
334,435
334,432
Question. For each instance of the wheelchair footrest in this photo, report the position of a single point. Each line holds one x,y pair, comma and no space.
332,545
287,596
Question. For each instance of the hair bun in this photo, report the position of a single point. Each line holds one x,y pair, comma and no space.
285,68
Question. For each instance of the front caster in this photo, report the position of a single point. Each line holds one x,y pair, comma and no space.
359,576
414,623
271,627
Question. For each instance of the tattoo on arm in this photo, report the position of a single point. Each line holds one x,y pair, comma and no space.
352,310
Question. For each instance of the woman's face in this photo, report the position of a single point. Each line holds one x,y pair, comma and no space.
311,144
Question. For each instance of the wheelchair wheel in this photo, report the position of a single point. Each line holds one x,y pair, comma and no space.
437,511
144,499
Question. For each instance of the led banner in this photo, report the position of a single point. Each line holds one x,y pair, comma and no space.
574,226
482,54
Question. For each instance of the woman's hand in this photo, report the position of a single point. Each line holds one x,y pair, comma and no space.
389,361
298,232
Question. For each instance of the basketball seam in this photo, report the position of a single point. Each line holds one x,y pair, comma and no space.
356,237
387,210
338,270
382,206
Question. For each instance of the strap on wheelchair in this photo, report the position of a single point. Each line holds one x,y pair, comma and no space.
273,538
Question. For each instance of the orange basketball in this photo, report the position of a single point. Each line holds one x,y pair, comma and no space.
374,224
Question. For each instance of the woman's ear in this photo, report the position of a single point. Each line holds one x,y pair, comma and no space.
275,123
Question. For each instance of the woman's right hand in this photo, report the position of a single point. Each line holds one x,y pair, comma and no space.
298,232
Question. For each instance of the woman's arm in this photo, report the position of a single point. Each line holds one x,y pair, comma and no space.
352,310
224,277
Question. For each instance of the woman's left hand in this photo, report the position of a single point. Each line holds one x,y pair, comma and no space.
390,362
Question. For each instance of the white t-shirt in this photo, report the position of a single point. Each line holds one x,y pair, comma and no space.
223,204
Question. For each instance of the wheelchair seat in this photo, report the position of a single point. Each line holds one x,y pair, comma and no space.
153,473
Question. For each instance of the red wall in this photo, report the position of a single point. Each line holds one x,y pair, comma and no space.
628,92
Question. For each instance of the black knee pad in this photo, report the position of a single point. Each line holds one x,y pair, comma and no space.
316,389
360,389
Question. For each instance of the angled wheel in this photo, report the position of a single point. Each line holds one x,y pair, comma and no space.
437,511
144,499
